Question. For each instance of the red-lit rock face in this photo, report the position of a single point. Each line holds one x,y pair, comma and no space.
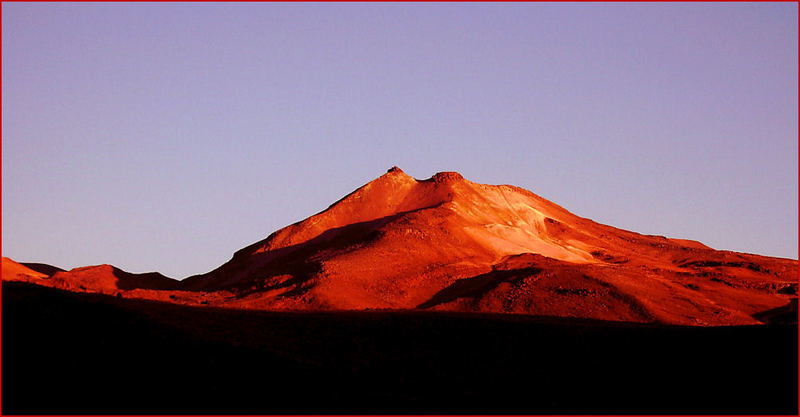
13,271
446,243
450,244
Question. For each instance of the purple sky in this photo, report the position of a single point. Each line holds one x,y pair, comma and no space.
167,136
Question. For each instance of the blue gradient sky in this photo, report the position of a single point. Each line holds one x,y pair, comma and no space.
167,136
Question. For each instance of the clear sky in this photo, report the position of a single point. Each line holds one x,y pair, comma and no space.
167,136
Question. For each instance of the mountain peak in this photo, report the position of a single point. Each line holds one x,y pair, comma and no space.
447,176
396,174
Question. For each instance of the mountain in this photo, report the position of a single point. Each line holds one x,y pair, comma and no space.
446,243
13,271
46,269
99,278
107,278
449,244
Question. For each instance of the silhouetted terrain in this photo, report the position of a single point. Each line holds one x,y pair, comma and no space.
69,352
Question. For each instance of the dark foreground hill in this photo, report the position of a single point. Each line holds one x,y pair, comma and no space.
82,353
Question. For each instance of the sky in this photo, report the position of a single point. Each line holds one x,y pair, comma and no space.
164,137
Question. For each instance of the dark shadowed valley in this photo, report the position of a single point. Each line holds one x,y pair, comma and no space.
80,353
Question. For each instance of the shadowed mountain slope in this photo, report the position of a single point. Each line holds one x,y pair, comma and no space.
46,269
